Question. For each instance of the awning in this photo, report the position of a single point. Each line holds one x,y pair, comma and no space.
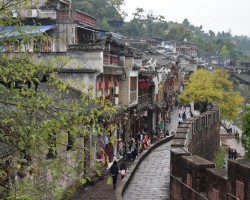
89,27
18,31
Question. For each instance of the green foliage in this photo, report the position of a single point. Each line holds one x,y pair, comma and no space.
103,23
133,28
38,113
142,25
210,44
224,52
178,32
205,86
106,8
245,138
220,157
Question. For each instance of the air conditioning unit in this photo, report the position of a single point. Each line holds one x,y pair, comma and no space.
14,13
116,90
115,100
31,13
106,92
98,93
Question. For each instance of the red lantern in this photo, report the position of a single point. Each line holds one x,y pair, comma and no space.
108,85
143,84
101,85
117,84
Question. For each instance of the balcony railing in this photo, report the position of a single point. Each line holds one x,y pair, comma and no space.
77,15
145,100
133,95
110,59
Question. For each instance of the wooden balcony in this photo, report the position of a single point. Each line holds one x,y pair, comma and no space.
133,95
77,15
144,101
110,59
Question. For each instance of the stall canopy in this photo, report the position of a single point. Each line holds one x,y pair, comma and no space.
19,31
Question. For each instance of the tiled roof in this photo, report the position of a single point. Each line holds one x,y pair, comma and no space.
243,77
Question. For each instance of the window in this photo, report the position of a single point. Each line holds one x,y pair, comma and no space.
133,83
215,117
215,194
189,180
197,125
70,141
203,123
239,190
209,119
206,121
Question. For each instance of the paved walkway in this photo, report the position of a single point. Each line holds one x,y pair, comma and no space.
151,180
229,140
102,191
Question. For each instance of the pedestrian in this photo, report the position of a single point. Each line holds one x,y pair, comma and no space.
184,116
167,133
234,154
191,114
229,153
180,121
123,169
237,136
133,149
176,103
114,171
120,148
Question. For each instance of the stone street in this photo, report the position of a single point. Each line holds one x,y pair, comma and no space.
154,168
151,180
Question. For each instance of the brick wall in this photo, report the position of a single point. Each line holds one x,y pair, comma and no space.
193,175
200,135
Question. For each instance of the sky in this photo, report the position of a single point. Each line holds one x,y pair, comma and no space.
215,15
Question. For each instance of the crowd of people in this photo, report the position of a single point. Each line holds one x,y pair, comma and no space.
130,150
183,113
139,143
133,147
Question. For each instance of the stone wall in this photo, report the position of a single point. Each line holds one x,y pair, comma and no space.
193,174
200,135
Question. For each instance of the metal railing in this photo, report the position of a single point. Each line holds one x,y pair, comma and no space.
194,191
228,194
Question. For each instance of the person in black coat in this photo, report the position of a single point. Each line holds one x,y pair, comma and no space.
114,171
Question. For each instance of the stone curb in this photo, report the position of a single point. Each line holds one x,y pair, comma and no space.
122,186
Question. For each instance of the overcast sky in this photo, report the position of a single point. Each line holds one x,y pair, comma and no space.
215,15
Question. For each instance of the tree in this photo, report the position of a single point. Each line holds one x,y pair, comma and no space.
186,22
142,25
133,28
224,52
178,32
245,137
211,34
38,113
209,87
106,8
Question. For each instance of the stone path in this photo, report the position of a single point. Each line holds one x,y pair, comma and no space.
155,171
151,180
